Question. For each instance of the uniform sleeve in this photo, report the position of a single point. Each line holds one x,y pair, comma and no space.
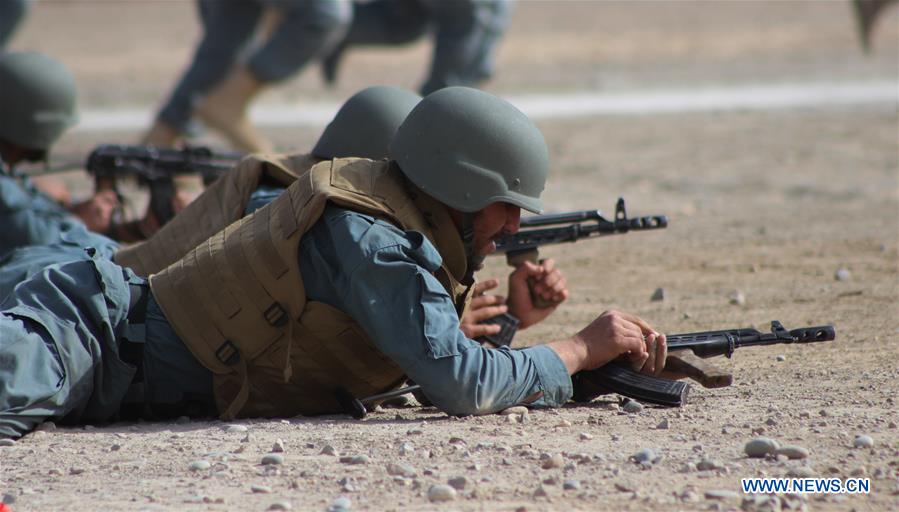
382,277
27,217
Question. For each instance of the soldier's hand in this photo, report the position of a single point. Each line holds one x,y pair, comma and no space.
549,284
615,335
483,307
656,354
97,212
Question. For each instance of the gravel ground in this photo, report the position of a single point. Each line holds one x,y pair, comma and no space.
795,210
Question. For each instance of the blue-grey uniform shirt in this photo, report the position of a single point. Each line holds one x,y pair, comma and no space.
383,278
28,217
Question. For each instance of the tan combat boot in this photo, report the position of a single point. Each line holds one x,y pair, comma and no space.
225,110
161,135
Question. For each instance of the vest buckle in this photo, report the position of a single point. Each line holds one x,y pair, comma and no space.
227,353
275,315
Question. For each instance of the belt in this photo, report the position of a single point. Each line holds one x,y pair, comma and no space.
131,348
137,307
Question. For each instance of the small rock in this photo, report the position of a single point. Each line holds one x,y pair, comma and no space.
571,485
273,459
632,407
76,471
720,495
801,472
805,414
235,429
341,504
737,298
707,464
540,492
199,465
860,471
246,438
403,470
658,295
771,422
623,487
689,496
792,452
518,409
644,455
330,450
278,447
663,425
458,483
355,460
260,489
441,492
863,441
280,505
584,436
406,449
7,442
781,358
564,424
687,467
842,274
554,461
761,446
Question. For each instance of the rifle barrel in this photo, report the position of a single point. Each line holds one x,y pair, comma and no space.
716,343
560,218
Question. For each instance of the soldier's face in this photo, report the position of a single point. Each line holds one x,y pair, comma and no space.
493,221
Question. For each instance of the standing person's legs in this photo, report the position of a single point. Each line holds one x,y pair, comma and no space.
380,22
12,12
227,28
58,346
306,29
467,33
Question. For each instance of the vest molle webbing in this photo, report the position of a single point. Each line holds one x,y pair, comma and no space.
238,302
219,205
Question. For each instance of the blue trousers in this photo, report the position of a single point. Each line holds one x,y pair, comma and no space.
308,28
465,34
60,337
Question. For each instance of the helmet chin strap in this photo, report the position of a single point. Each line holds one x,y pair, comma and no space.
474,262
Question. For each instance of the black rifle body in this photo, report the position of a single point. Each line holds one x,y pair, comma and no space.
617,378
155,168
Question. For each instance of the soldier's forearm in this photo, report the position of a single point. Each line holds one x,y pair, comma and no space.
572,352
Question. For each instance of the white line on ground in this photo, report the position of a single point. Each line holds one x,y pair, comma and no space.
571,105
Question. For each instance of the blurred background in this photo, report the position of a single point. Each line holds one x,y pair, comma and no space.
128,54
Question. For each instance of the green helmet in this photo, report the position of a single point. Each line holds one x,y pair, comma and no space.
38,100
469,149
365,124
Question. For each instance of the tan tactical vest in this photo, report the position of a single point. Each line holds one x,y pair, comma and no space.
238,301
220,204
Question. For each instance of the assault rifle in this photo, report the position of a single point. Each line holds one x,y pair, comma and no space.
616,377
156,168
556,228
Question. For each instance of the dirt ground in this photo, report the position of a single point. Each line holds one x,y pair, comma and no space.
768,204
